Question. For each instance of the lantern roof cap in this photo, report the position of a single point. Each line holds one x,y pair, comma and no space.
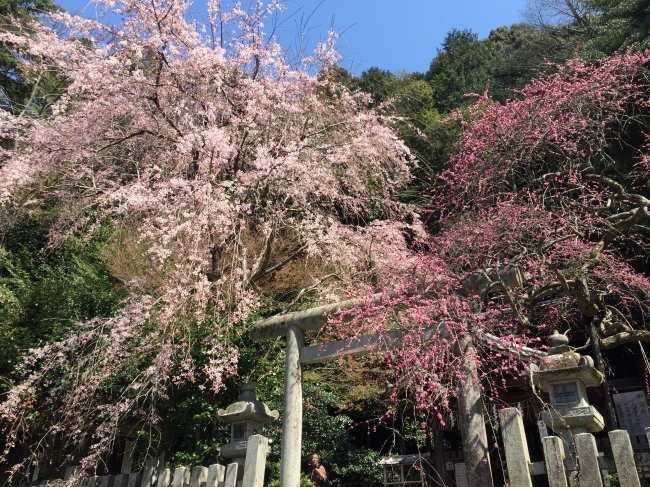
247,408
557,343
568,366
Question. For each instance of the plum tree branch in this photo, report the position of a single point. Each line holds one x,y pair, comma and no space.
625,337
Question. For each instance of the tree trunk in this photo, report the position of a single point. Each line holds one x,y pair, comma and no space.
598,362
470,417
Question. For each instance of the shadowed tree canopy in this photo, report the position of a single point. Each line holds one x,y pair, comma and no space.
601,26
620,24
19,88
522,51
462,66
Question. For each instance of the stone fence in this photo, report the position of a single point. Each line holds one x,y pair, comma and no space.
570,465
565,465
249,473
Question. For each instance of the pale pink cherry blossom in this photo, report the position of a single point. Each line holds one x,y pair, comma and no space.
223,163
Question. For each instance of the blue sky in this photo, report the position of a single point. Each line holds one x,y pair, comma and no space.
391,34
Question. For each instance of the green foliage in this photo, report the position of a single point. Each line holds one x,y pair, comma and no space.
326,426
520,52
620,24
44,291
275,467
504,62
507,60
25,8
191,434
409,99
413,432
462,66
612,477
363,468
21,91
598,27
379,83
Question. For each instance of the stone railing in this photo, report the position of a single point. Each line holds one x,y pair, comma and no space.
154,475
583,468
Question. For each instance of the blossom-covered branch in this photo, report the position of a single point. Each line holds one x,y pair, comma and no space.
224,164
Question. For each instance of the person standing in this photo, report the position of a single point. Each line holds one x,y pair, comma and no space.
318,474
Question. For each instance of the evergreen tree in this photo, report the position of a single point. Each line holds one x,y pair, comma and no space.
522,51
461,66
19,90
621,24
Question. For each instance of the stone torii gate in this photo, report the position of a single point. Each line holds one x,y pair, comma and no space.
293,325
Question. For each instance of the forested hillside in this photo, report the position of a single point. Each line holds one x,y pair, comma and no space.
160,191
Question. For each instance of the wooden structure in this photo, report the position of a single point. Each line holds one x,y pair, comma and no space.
405,470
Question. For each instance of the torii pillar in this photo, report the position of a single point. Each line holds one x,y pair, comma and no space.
292,414
293,326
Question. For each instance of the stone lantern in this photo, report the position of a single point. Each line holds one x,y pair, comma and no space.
247,416
565,375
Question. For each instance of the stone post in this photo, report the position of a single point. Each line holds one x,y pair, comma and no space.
470,417
516,448
164,478
554,459
216,474
624,458
588,460
255,461
231,475
107,481
121,480
127,461
199,476
135,479
181,477
292,418
151,469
